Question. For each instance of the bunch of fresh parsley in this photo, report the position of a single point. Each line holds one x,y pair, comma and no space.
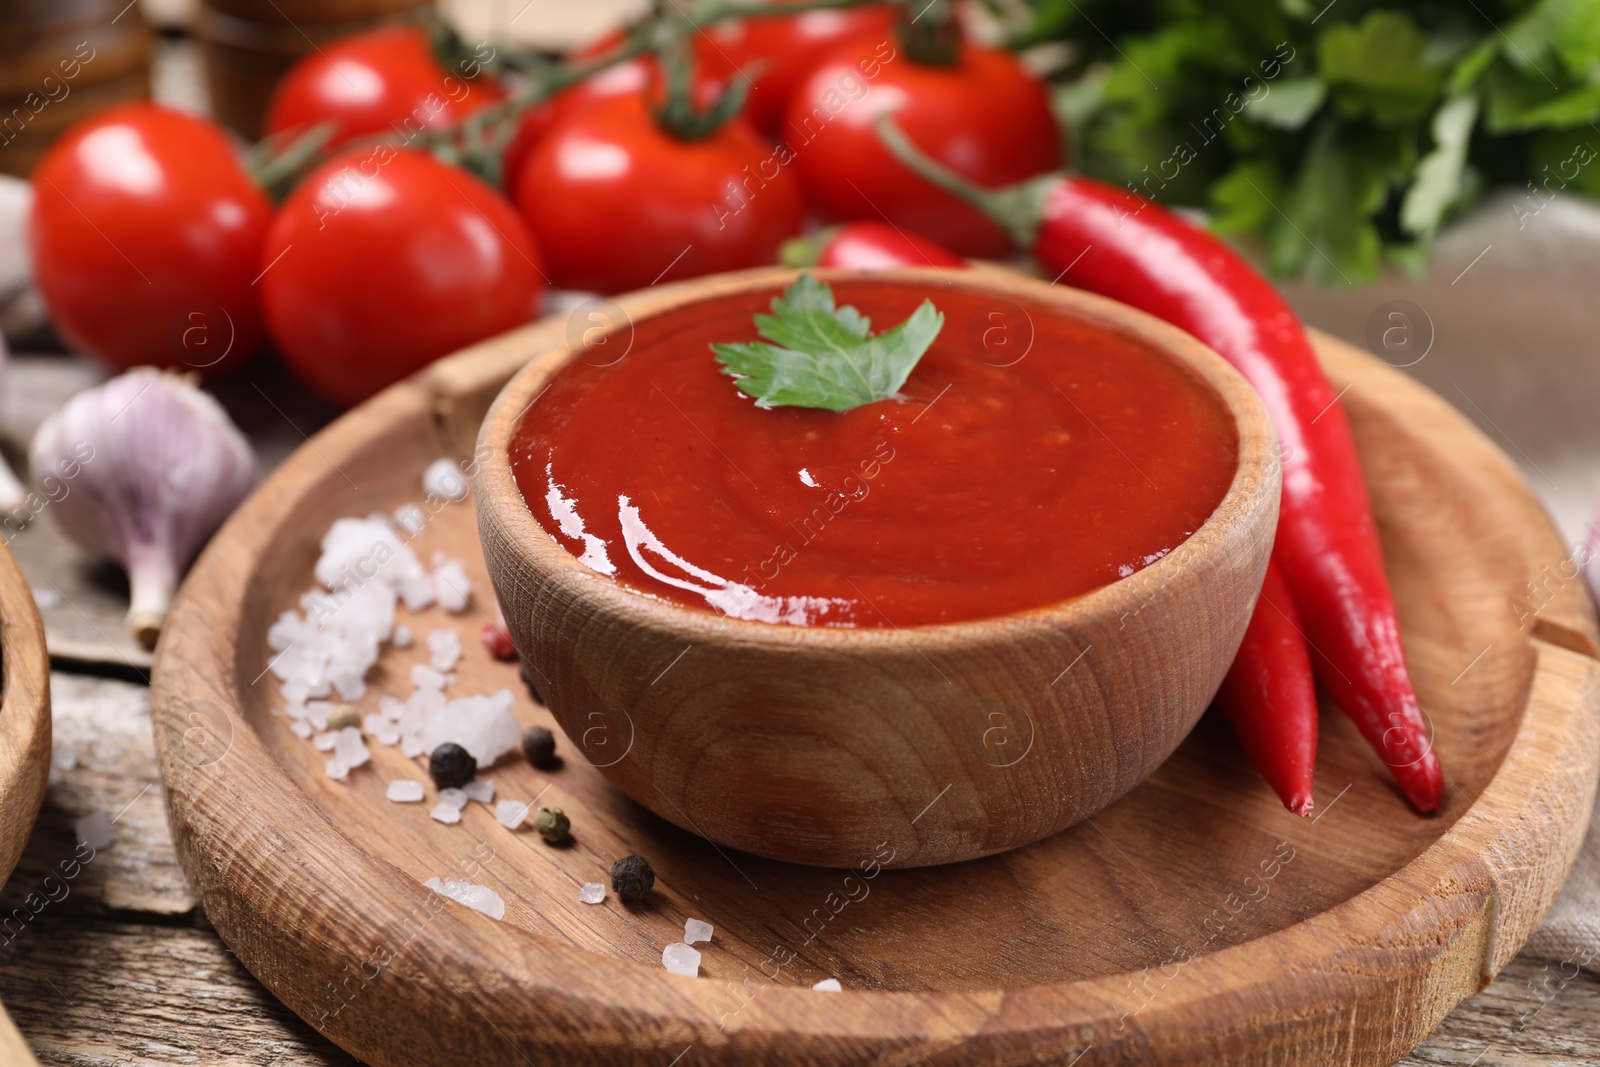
1341,134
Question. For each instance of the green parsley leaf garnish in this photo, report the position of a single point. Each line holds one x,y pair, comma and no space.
822,356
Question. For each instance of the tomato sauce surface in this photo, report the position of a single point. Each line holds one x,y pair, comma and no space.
1028,460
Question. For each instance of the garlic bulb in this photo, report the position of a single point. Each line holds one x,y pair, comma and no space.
12,494
157,465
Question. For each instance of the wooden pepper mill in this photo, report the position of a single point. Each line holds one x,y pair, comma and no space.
60,61
247,45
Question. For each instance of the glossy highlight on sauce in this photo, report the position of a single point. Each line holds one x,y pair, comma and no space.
1030,459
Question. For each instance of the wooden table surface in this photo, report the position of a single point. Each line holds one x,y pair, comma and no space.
124,969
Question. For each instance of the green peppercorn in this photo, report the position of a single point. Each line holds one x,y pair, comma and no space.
552,824
632,879
451,766
343,715
539,745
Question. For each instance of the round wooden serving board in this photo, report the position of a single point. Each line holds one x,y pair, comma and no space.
24,741
1193,922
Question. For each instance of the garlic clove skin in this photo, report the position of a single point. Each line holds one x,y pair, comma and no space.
12,492
142,468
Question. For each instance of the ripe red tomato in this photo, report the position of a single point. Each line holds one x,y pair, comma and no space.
787,47
984,115
382,260
618,203
146,233
379,82
624,79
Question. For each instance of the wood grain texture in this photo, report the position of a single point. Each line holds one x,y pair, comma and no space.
860,730
24,713
24,740
92,985
103,992
1194,920
104,761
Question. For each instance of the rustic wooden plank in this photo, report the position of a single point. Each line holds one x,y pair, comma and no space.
105,762
1535,1014
90,992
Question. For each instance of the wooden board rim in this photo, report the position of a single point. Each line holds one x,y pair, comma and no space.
24,740
24,712
539,982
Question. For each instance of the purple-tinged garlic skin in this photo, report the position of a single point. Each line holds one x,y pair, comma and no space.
166,465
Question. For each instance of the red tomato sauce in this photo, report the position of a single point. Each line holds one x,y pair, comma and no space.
1030,459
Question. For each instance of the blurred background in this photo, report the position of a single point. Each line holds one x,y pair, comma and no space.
1433,155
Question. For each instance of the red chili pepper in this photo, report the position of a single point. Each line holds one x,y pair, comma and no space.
1109,241
867,246
1269,698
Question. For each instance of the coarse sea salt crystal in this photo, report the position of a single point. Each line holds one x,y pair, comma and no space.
829,985
402,637
425,677
444,649
480,789
405,792
450,583
592,893
410,518
456,798
679,958
64,757
301,728
349,749
477,897
325,742
364,552
696,930
510,813
387,735
416,592
446,813
372,722
317,713
94,830
483,725
351,684
445,479
330,644
336,770
410,747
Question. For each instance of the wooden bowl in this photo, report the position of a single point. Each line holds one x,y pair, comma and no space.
825,746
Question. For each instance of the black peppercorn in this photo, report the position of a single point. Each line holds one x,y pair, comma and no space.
451,766
527,680
632,878
539,745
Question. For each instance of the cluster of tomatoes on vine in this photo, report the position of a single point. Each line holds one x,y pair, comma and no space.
670,150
